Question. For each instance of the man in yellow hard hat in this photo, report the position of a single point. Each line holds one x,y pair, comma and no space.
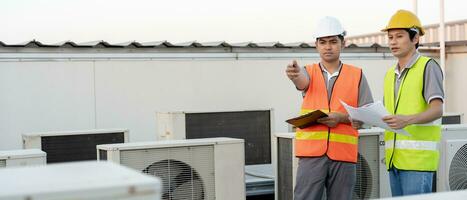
414,96
327,151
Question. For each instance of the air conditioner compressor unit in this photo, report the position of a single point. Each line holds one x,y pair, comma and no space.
66,146
253,126
195,169
372,177
452,172
22,157
88,180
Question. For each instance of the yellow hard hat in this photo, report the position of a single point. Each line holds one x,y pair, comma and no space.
404,19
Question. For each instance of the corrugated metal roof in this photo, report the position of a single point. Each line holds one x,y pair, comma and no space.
194,45
166,44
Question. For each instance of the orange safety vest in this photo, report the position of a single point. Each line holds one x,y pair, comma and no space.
341,142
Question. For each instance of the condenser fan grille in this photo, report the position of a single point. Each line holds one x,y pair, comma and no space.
367,186
185,172
284,169
458,170
364,179
180,181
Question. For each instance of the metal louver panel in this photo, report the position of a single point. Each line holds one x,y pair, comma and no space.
458,170
454,119
367,186
68,148
284,168
252,126
186,172
2,163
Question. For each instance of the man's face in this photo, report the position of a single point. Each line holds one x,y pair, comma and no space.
400,43
329,48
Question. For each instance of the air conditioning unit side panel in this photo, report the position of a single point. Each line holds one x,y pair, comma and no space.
32,142
449,133
384,186
230,171
26,161
171,125
441,175
126,136
274,162
294,164
112,155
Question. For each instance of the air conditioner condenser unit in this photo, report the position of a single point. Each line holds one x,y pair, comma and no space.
452,172
66,146
22,157
89,180
372,177
196,169
253,126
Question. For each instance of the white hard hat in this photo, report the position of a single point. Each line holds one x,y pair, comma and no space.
328,26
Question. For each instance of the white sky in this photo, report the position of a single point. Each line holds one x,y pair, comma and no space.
51,21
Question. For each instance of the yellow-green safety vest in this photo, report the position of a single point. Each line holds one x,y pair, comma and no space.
418,152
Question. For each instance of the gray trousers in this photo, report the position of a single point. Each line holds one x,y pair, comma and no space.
317,173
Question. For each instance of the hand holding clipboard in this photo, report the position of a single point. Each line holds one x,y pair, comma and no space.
307,119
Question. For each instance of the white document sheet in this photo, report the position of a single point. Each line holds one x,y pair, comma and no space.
372,114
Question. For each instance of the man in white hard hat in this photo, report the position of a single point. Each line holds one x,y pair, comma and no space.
327,151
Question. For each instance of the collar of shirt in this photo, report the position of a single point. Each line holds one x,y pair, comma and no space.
411,62
329,75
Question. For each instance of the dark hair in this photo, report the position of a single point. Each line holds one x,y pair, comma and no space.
412,34
341,37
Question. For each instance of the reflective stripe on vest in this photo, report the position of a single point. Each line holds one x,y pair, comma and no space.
419,151
412,145
338,143
323,135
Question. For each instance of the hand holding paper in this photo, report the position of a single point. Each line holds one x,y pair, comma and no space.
372,114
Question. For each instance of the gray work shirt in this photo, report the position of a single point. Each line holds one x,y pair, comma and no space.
364,92
433,83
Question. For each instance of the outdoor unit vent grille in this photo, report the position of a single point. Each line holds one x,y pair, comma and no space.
458,170
66,148
452,119
186,172
252,126
367,186
102,154
2,163
284,169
